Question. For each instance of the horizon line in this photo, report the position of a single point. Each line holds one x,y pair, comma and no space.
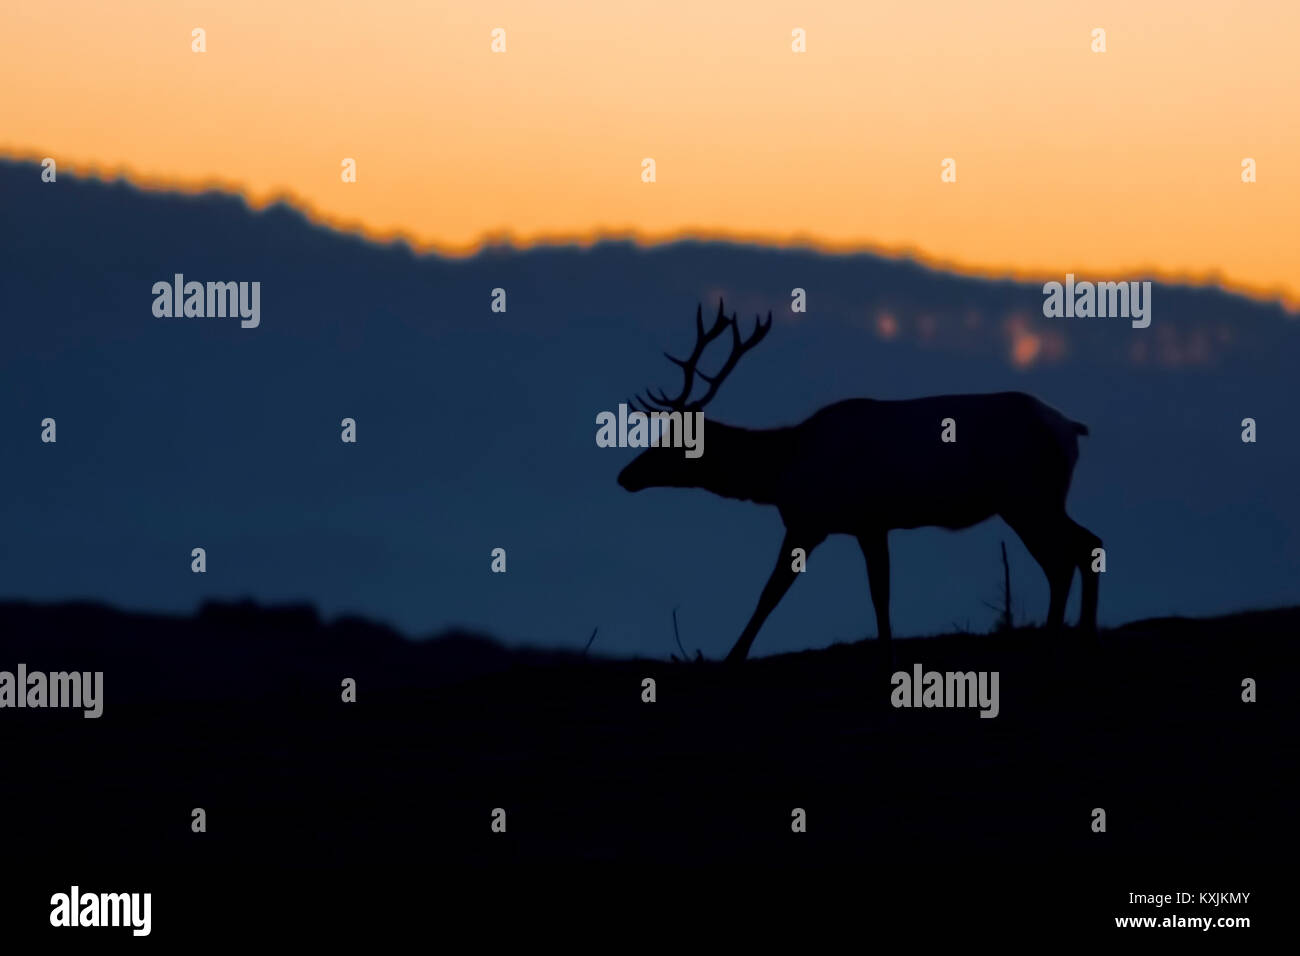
1277,295
525,644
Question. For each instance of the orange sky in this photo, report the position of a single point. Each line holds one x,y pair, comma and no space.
1067,160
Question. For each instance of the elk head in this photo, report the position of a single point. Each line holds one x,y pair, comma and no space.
665,466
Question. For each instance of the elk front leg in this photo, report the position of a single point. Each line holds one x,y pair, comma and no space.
778,583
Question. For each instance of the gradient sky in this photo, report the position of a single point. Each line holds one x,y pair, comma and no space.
1067,160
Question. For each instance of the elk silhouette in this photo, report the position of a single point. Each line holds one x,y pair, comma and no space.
865,467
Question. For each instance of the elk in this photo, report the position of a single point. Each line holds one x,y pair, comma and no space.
865,467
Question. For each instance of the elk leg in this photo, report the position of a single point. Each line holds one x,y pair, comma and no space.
1086,542
778,583
1052,546
875,548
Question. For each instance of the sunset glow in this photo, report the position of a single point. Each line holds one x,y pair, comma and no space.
1119,163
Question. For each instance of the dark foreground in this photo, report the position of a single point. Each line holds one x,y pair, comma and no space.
238,711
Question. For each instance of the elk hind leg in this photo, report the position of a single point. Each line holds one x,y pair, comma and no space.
1052,544
1085,542
875,548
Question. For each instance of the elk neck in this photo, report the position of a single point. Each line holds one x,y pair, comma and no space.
743,463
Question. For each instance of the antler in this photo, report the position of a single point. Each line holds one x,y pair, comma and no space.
660,402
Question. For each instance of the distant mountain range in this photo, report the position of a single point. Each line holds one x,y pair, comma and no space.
476,429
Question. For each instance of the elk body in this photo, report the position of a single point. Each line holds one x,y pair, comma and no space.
864,468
